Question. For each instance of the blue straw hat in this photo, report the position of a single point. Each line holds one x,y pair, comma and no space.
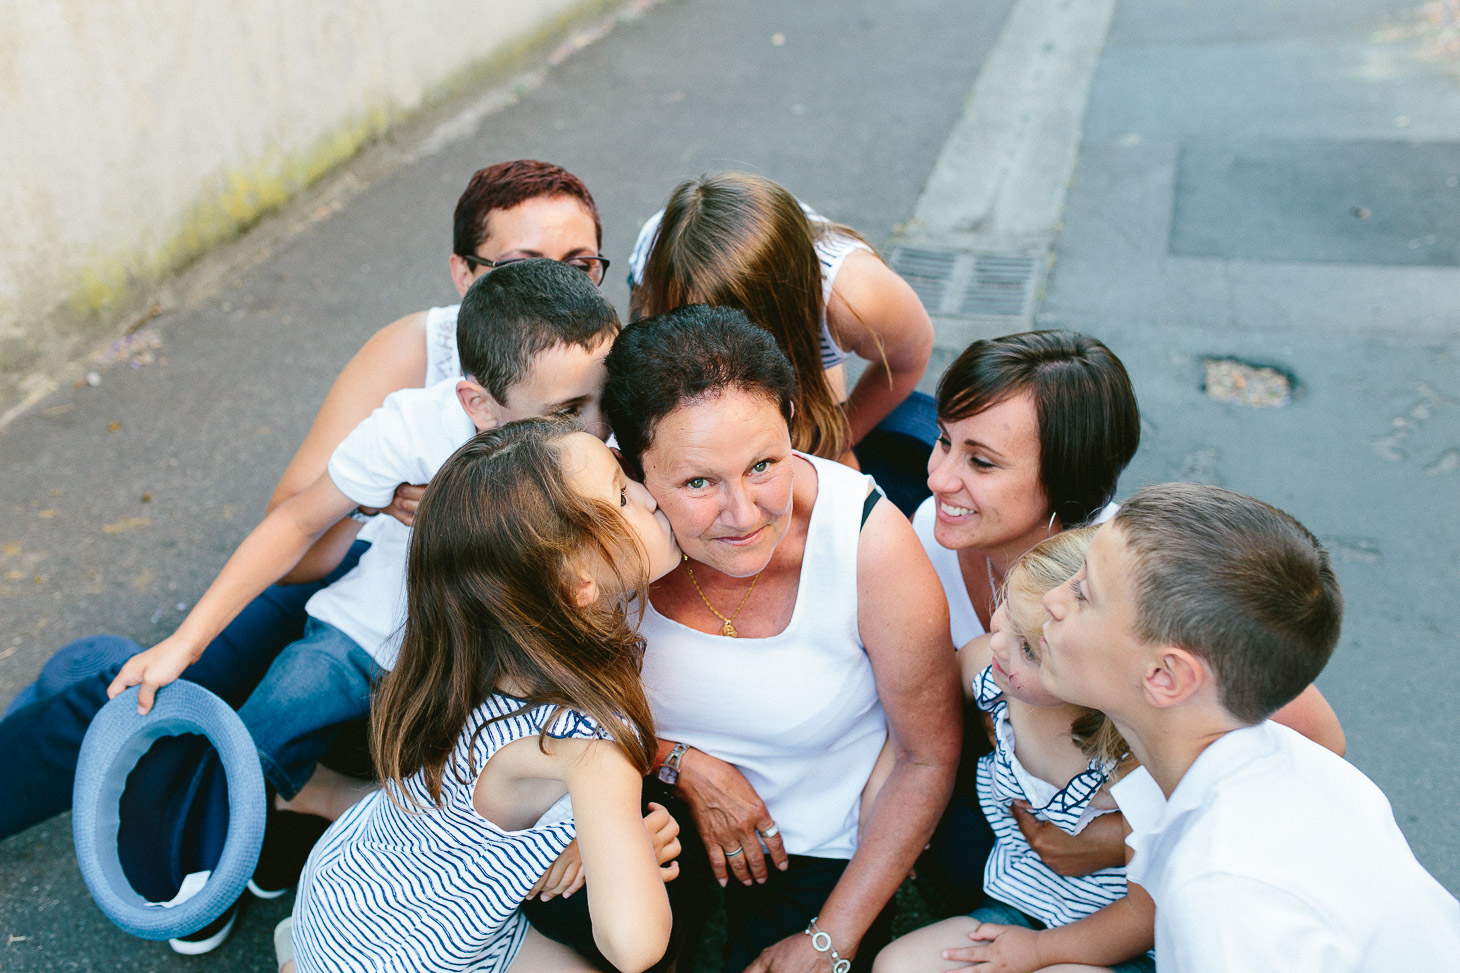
117,739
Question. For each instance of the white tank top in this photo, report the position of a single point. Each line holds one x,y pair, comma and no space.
798,712
442,360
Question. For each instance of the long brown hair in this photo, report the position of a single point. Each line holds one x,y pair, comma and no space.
741,241
499,540
1040,570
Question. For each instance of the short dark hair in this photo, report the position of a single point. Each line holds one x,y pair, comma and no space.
1239,583
1089,423
505,185
517,312
686,355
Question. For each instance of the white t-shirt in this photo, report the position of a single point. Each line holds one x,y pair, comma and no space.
1275,854
404,441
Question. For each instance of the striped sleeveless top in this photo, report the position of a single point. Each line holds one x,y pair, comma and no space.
1014,874
388,890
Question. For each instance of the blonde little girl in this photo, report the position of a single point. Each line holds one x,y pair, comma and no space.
1060,759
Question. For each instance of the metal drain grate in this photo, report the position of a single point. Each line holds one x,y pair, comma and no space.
954,283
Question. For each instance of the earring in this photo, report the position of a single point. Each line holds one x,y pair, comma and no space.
1050,529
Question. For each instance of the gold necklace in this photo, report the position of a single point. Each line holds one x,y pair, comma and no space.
728,630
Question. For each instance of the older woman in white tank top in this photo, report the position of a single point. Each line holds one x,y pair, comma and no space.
804,628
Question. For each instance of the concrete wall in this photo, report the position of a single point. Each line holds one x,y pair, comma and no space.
135,134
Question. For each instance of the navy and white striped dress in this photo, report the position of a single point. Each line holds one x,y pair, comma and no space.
436,889
1014,874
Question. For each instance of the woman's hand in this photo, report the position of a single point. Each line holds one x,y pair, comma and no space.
403,505
1100,845
794,954
730,815
152,670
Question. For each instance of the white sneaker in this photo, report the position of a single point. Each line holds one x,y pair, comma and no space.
265,894
284,940
209,938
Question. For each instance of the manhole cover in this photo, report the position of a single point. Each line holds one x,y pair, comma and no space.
1258,386
962,284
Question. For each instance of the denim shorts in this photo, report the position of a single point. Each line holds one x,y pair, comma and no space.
1007,915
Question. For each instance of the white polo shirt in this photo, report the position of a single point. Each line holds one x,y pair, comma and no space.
1275,854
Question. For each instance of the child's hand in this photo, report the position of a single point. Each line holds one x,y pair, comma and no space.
403,505
563,877
664,833
999,949
1100,845
152,670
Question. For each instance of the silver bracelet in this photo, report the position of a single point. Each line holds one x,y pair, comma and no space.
821,942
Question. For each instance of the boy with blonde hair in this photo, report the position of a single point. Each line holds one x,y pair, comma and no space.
1198,613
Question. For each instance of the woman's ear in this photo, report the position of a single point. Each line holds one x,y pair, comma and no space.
461,274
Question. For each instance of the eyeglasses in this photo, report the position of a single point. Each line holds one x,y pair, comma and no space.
594,267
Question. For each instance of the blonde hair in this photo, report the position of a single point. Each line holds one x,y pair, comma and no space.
736,240
491,589
1039,571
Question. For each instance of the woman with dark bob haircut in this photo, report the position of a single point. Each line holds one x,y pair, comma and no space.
803,629
1034,430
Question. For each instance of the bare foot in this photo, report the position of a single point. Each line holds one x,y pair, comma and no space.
327,793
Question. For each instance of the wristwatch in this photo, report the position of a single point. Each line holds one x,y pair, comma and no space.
669,770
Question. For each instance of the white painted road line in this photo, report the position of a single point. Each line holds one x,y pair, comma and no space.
1001,179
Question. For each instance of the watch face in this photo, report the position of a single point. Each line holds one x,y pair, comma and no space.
668,774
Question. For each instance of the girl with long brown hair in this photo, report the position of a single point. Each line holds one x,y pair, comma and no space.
742,241
513,721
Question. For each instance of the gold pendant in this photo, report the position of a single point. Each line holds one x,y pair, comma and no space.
729,630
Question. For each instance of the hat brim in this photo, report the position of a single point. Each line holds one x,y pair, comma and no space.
116,740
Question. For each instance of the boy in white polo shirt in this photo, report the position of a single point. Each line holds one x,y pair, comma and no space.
532,337
1199,612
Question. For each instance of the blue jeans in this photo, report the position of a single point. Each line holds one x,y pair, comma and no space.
1006,915
41,740
315,686
895,454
